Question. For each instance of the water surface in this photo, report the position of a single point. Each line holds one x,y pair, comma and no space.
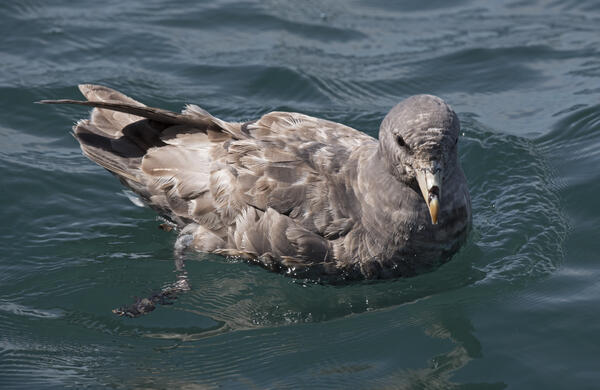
515,308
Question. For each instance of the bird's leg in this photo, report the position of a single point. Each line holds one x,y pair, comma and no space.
169,292
184,241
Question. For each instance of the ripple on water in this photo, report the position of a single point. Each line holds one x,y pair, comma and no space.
574,141
260,20
518,222
21,310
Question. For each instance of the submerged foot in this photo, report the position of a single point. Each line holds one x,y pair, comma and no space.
169,293
143,306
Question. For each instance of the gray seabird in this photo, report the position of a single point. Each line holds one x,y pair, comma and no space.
293,193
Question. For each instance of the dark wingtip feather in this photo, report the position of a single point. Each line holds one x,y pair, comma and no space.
61,101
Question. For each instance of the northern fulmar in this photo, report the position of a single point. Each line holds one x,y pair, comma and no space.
296,194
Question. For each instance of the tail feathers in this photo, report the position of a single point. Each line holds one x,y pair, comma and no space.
120,156
101,93
107,100
156,114
109,122
121,130
108,103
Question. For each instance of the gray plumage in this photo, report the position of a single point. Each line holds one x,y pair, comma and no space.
294,193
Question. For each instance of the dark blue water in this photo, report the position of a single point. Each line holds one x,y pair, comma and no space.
516,308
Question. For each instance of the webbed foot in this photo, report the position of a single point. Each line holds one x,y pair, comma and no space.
143,306
169,293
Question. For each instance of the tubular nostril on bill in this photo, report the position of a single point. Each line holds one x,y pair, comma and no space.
434,191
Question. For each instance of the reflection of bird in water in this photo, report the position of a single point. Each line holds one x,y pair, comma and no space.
449,323
406,340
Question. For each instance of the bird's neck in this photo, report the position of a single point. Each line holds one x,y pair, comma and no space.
381,160
379,178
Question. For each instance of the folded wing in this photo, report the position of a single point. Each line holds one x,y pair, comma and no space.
283,181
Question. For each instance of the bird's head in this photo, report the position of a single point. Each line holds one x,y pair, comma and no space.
418,140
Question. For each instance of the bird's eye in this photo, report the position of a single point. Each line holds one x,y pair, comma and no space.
400,141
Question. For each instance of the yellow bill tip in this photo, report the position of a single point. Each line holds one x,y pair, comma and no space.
434,208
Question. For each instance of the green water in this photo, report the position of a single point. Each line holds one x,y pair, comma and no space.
516,308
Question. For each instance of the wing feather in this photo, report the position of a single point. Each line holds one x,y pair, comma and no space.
278,186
